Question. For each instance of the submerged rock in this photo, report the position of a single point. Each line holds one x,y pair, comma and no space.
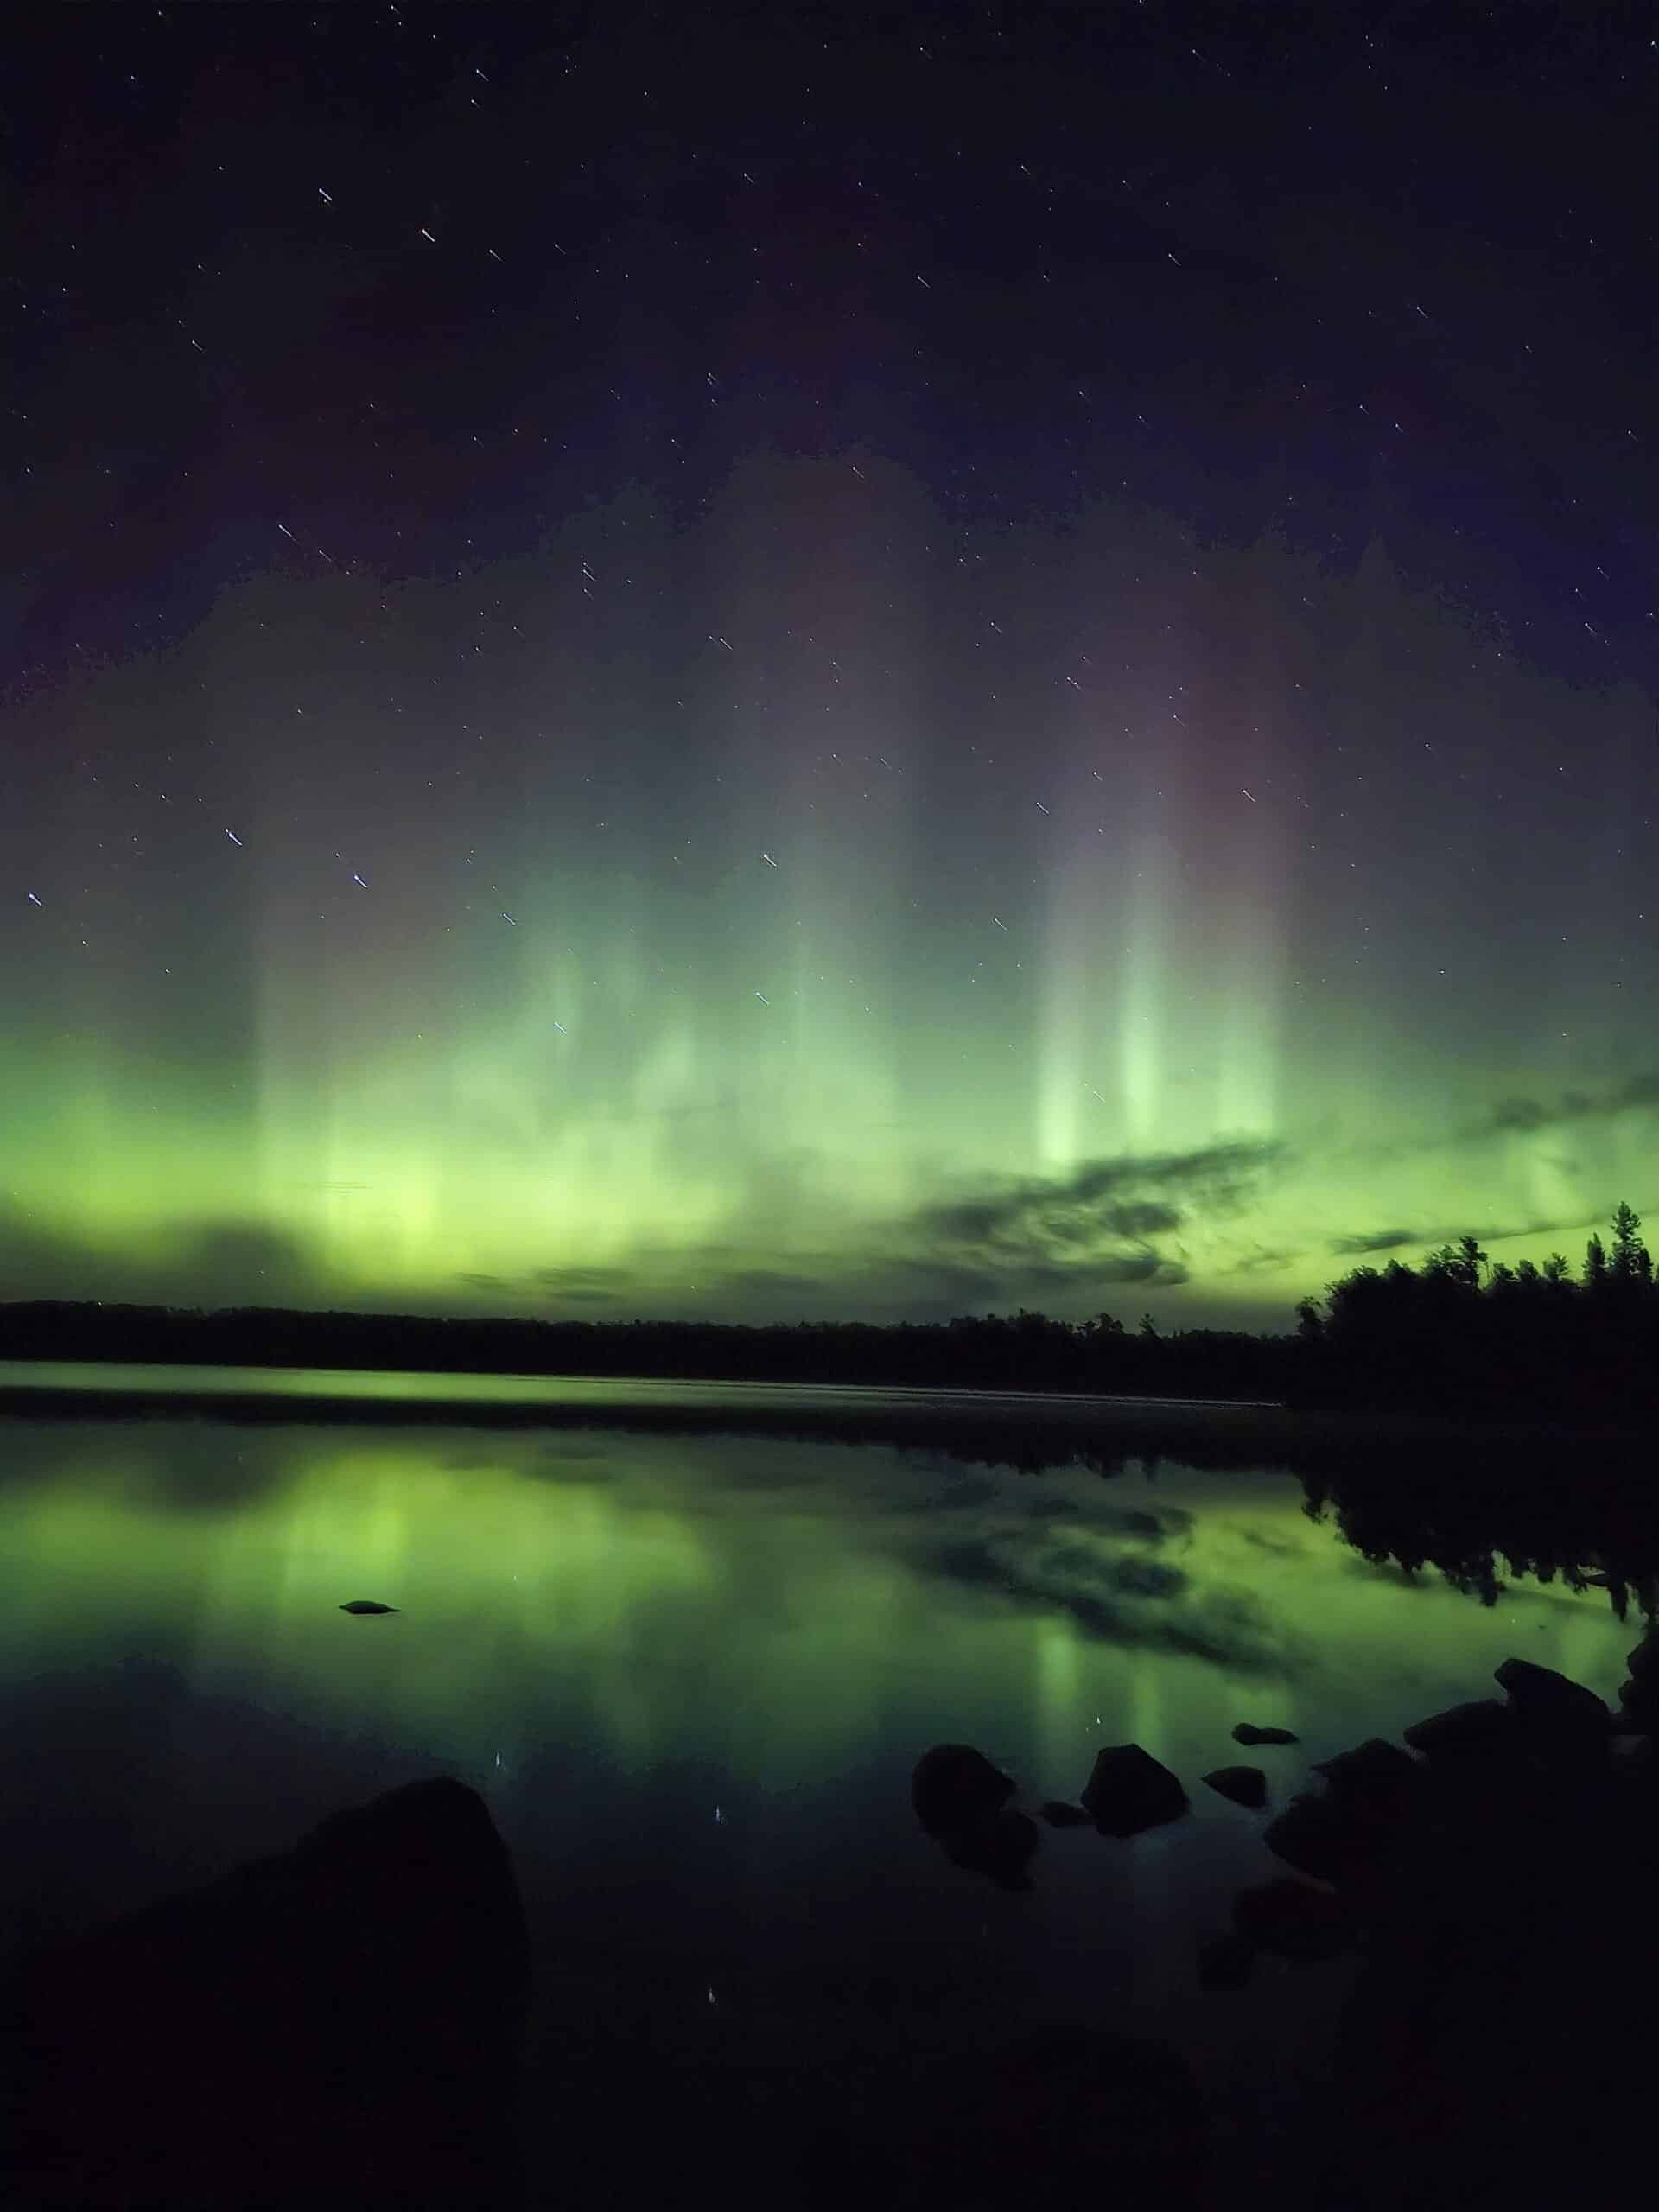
1131,1790
1058,1814
366,1605
1247,1733
953,1785
1245,1785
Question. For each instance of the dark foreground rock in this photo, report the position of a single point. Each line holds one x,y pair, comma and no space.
1557,1718
1000,1845
1496,2051
1481,1727
1247,1733
1376,1775
1129,1790
953,1785
342,2021
1314,1836
1245,1785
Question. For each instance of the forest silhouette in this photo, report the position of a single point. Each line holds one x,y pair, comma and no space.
1455,1334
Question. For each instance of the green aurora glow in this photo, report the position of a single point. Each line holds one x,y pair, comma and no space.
819,913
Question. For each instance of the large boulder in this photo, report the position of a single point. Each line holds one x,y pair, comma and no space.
953,1785
1247,1733
1318,1837
1484,1726
1000,1845
1375,1776
1556,1715
1129,1790
1245,1785
340,2023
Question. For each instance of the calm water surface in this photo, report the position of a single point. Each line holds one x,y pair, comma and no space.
690,1674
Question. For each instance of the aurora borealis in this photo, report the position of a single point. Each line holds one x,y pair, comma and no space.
784,670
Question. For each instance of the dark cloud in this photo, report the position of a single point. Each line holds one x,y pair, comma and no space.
1260,1262
767,1284
1277,1545
1100,1198
583,1285
1517,1116
1130,1520
1521,1116
1123,1598
219,1260
1071,1236
1430,1240
1148,1578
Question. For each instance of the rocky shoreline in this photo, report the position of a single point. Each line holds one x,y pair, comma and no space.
347,2019
1496,1876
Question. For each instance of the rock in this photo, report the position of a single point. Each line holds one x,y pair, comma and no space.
1370,1791
1247,1733
1631,1754
1293,1921
953,1785
1245,1785
1061,1815
1226,1962
1643,1660
1000,1845
1131,1790
342,2023
1551,1708
366,1605
1376,1775
1482,1726
1314,1837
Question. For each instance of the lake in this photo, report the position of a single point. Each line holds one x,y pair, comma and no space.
689,1641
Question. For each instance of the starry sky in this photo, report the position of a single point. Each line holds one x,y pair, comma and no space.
802,662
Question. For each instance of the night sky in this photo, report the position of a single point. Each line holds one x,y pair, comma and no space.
806,663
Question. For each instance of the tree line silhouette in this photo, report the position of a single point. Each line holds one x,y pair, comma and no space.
1461,1332
1455,1333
